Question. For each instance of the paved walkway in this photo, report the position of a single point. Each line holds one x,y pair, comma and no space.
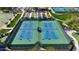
75,41
52,10
7,28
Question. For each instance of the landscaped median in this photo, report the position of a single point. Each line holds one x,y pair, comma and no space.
3,31
14,20
76,35
2,38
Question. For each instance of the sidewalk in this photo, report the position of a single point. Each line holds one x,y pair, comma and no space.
52,10
75,41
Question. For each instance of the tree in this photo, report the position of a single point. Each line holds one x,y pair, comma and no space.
1,43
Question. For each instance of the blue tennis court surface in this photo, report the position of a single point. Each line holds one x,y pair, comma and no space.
26,31
49,31
27,25
48,25
24,35
50,35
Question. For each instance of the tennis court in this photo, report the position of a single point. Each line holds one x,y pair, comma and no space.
26,33
52,33
45,32
49,30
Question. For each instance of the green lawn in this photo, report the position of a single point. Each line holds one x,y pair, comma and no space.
76,35
3,38
1,43
71,19
63,16
14,21
3,31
